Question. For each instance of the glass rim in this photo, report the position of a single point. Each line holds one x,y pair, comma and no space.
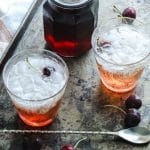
34,51
116,64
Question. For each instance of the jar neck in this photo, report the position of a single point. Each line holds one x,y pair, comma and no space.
72,9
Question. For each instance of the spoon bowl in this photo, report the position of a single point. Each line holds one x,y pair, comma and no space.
137,135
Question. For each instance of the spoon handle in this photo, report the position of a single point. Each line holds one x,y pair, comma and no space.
58,132
108,133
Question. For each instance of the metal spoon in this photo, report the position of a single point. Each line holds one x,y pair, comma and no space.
137,135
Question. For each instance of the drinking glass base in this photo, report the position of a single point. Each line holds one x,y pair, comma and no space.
119,90
36,124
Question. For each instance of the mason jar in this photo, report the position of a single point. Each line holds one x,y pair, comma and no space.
68,25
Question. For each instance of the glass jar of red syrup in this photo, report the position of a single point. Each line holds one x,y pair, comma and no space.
68,25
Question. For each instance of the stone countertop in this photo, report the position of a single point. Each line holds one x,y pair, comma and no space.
81,105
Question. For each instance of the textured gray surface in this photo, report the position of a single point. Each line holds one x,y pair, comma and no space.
81,105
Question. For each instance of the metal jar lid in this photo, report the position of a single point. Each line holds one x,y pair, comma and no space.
72,3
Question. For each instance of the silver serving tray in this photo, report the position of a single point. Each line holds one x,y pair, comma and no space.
14,33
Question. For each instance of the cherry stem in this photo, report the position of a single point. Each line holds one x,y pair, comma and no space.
120,15
116,107
131,19
117,10
76,145
30,65
98,39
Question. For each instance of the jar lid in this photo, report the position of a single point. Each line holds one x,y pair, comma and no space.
72,3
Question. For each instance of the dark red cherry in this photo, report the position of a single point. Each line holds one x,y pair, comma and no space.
133,101
37,144
133,118
46,72
32,144
129,12
105,44
68,147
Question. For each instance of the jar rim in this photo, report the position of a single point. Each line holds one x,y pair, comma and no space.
70,5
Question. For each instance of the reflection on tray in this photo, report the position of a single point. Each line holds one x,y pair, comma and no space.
5,37
12,14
